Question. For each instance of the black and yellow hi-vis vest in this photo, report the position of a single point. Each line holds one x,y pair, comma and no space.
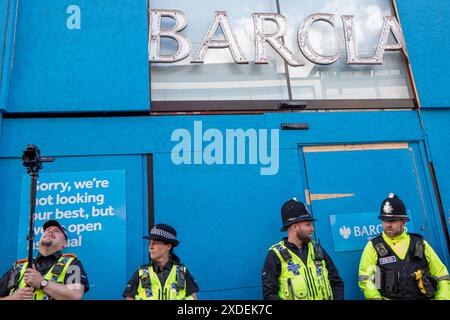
406,279
298,281
57,273
150,287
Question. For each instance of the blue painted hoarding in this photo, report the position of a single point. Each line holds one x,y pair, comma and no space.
80,56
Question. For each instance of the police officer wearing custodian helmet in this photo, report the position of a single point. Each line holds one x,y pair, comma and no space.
400,265
297,268
165,278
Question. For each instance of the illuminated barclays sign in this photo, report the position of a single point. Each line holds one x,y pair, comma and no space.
274,39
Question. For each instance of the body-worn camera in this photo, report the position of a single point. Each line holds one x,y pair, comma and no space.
318,253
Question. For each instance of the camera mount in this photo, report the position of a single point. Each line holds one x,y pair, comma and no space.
32,159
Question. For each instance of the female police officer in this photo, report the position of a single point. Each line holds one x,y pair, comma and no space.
165,277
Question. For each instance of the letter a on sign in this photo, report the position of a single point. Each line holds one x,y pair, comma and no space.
74,20
220,19
390,24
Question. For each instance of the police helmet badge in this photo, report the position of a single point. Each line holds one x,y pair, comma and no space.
387,208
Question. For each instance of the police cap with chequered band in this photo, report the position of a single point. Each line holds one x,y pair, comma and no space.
392,209
294,211
54,223
163,232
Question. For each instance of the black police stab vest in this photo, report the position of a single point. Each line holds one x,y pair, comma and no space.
398,279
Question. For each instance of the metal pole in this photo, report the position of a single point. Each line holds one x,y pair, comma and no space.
30,238
32,160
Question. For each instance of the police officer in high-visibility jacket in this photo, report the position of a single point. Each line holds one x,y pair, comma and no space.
165,277
297,268
53,276
401,265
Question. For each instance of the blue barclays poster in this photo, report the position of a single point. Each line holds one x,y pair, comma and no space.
92,207
352,231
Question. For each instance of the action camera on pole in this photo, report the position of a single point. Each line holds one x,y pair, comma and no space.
32,160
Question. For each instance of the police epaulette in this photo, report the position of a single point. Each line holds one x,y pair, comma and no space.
284,252
21,261
376,236
70,255
143,266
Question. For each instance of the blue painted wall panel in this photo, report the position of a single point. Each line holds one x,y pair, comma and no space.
102,66
436,123
11,171
75,136
226,217
3,23
426,26
7,29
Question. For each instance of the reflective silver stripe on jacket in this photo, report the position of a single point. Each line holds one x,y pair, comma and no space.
363,278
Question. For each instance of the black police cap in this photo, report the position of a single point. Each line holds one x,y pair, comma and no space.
294,211
163,232
392,209
54,223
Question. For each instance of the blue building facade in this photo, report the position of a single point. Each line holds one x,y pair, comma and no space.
76,81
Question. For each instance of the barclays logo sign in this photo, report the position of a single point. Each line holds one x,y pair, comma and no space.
360,231
345,232
352,231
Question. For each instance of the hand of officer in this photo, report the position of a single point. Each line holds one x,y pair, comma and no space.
33,278
23,294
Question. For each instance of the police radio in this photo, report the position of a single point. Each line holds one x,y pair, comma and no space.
181,279
145,281
318,253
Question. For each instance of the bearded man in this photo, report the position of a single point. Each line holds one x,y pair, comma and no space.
297,268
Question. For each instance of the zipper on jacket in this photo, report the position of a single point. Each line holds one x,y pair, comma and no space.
312,281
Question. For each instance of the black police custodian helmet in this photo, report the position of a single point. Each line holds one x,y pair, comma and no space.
392,209
294,211
163,232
